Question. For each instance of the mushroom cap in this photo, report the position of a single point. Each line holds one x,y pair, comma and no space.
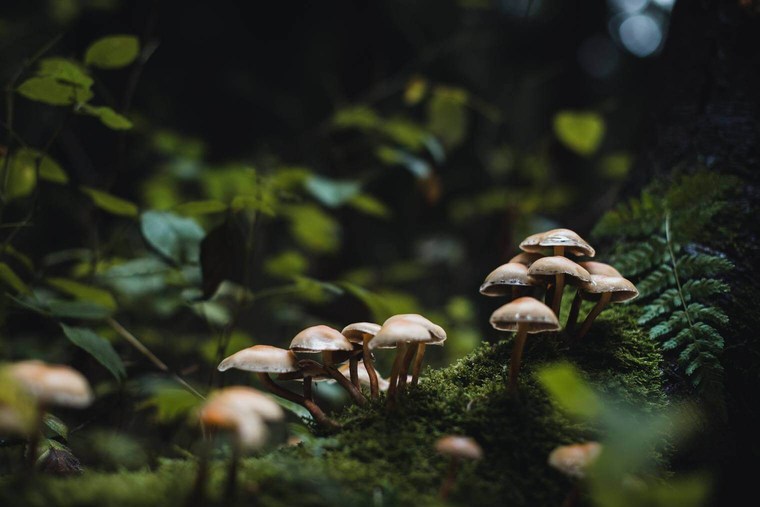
528,312
356,332
248,399
363,376
526,258
573,460
558,265
249,427
11,422
439,334
621,288
395,332
599,268
571,240
458,446
263,359
52,384
500,281
320,339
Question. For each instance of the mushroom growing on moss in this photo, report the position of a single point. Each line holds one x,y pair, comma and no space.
360,333
524,315
574,461
604,290
437,337
561,241
594,268
456,448
559,269
507,279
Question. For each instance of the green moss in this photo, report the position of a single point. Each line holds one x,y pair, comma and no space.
388,458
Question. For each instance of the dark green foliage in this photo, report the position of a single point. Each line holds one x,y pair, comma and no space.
657,245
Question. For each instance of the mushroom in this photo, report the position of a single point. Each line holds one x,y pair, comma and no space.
507,279
573,461
524,315
362,333
327,341
526,258
364,377
49,384
438,336
594,268
265,359
560,240
604,289
457,448
559,269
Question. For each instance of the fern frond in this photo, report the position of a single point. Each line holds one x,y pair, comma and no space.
700,264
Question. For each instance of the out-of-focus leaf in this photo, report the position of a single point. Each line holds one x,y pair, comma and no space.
9,251
312,228
137,277
360,117
56,426
98,347
392,156
377,305
447,115
10,278
107,117
171,403
222,256
177,238
567,388
111,203
238,341
415,90
17,407
287,264
78,310
615,166
112,52
200,207
370,205
65,70
580,131
53,92
111,450
332,193
22,174
406,133
84,292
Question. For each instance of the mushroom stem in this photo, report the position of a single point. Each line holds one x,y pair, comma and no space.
34,440
548,295
309,405
400,352
517,350
405,364
367,355
571,500
593,314
572,319
346,384
515,292
197,497
307,388
353,366
448,482
559,287
559,251
232,473
418,363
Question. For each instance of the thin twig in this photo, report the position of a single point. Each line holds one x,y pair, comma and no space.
675,271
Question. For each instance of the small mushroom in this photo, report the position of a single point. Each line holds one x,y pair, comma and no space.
559,269
560,240
456,448
524,315
594,268
265,359
604,290
573,461
364,377
327,341
526,258
361,333
507,279
438,337
49,384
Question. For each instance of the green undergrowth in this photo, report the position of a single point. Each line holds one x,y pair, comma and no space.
387,458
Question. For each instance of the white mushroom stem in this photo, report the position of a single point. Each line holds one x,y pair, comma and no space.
367,355
559,287
392,386
418,363
517,350
572,319
593,314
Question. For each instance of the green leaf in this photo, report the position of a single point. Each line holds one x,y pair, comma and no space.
447,115
332,193
171,403
111,203
112,52
78,310
8,277
580,131
370,205
84,292
19,256
200,207
286,264
22,174
51,171
53,92
98,347
57,426
67,71
107,117
177,238
313,228
568,389
264,203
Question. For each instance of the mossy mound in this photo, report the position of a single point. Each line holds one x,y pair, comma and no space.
387,458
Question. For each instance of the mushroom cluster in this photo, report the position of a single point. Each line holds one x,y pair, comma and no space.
542,272
409,334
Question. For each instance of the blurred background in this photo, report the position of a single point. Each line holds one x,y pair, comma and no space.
310,162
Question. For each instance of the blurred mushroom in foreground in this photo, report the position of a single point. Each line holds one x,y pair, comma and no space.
457,448
574,461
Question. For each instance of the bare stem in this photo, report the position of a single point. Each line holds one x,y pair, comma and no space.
559,287
367,356
309,405
411,349
593,314
418,363
572,319
392,386
448,483
517,351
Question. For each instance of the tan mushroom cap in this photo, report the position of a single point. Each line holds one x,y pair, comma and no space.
558,265
248,399
620,288
571,240
363,376
526,312
526,258
599,268
356,332
439,334
458,446
573,460
262,359
52,384
395,332
500,281
319,339
249,427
